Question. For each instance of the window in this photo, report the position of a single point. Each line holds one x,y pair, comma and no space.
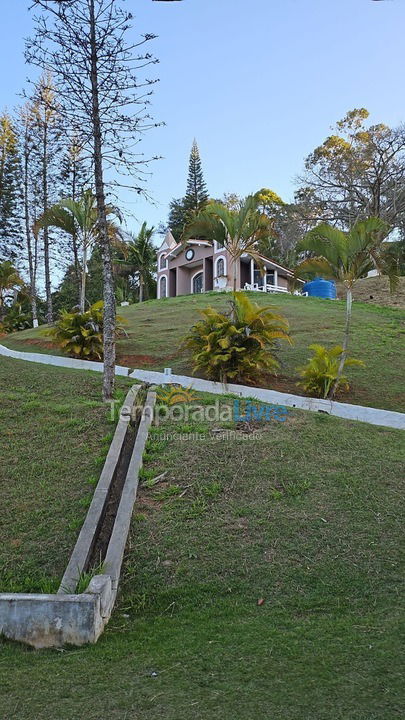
163,286
220,267
217,246
197,283
162,262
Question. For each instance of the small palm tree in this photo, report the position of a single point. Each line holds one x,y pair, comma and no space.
140,257
237,231
78,218
239,345
9,279
347,257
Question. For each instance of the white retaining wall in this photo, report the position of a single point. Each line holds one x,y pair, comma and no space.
373,416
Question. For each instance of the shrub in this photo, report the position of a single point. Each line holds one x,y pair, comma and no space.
321,370
81,334
239,345
16,319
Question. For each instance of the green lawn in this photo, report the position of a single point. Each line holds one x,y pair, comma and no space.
156,329
305,515
55,435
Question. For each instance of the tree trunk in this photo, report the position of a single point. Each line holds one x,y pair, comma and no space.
49,310
108,279
345,344
83,278
32,262
234,270
74,238
140,288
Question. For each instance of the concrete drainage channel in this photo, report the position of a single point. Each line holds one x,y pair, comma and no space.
69,618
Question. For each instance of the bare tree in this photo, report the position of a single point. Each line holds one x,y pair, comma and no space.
46,129
26,120
83,44
357,172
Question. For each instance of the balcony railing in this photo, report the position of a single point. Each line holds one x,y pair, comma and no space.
265,288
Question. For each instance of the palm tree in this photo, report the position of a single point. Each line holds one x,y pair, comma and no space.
140,257
9,279
238,231
79,219
347,257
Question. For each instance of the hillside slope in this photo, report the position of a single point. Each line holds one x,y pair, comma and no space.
376,290
261,577
156,328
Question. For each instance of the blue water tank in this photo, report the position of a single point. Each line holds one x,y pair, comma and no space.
320,288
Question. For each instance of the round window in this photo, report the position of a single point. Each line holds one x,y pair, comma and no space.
189,254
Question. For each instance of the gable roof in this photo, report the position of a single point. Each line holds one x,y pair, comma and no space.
169,242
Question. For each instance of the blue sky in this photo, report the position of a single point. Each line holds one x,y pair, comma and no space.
258,83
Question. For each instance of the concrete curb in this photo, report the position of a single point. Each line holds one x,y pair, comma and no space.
372,416
57,361
119,535
45,621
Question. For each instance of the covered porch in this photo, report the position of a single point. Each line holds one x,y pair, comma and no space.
253,278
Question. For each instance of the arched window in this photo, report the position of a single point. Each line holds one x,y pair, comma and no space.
197,283
162,262
163,286
220,267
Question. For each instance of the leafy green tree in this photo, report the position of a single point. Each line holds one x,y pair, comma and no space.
75,178
9,279
183,210
10,189
268,201
139,258
197,194
357,172
65,297
346,257
177,217
238,231
79,219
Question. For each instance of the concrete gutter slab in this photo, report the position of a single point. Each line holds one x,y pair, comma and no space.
45,621
88,533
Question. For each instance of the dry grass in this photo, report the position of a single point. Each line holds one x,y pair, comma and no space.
376,290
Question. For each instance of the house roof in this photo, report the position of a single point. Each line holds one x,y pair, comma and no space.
168,243
273,262
181,246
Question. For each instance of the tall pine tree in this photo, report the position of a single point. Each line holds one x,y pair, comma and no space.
197,193
48,133
10,190
183,210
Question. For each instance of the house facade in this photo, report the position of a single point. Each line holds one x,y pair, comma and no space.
200,266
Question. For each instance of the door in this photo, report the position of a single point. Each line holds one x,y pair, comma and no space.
198,283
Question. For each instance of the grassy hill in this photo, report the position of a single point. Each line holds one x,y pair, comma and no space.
55,435
262,576
376,290
156,329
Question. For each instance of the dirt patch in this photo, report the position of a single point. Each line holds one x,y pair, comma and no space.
282,383
136,360
37,342
376,290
